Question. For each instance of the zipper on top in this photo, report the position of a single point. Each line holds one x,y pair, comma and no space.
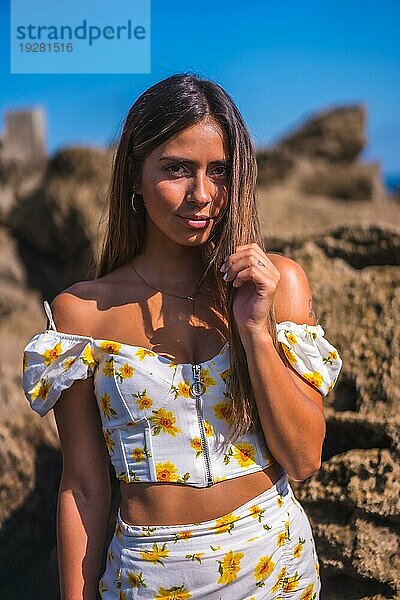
198,388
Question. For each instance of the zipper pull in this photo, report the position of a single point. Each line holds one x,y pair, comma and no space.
197,388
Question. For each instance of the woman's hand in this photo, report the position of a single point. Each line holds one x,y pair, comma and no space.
255,279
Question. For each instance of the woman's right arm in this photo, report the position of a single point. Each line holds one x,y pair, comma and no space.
85,490
84,494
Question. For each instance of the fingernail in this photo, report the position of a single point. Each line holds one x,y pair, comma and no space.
223,268
225,276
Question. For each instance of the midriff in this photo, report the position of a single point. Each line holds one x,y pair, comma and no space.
173,504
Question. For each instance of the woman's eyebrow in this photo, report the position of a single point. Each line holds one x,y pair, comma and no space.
222,161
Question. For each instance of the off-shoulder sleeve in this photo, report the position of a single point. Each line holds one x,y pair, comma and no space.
310,353
52,361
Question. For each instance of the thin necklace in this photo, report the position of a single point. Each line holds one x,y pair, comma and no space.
190,298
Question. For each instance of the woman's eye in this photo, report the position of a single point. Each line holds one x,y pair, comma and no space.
174,169
224,170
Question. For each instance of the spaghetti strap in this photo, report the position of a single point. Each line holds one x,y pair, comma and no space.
49,315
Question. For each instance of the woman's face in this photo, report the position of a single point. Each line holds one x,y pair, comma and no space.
185,179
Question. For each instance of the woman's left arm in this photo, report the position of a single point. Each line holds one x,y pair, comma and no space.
290,409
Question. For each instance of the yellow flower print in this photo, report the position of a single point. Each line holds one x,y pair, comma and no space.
317,569
142,400
308,593
223,411
164,420
102,588
280,579
173,593
118,531
333,355
136,579
290,355
128,477
284,536
87,357
197,446
285,582
123,477
52,354
196,556
228,455
110,347
108,440
184,535
225,523
216,479
311,333
298,549
206,378
280,539
108,369
156,554
105,403
166,471
315,378
331,386
255,511
208,428
125,372
245,454
263,569
139,454
291,583
148,531
291,338
226,374
258,513
41,389
182,389
122,595
229,567
141,353
68,362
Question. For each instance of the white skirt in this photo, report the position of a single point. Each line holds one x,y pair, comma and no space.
263,549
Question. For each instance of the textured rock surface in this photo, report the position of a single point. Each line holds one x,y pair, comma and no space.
56,223
350,251
336,135
354,500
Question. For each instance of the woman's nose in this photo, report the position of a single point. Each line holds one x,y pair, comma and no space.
202,189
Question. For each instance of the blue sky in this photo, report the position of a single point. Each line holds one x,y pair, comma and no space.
280,61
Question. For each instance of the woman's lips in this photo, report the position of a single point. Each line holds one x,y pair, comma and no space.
196,223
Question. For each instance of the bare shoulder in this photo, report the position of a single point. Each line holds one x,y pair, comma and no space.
75,309
293,297
289,269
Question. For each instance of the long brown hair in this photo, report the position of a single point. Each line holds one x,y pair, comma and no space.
162,111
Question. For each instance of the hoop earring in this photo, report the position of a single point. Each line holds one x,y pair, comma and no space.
133,204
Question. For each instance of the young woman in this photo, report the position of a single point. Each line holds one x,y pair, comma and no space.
194,360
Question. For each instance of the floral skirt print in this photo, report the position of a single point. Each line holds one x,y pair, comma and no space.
262,550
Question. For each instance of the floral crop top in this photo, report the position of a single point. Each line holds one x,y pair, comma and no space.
163,421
